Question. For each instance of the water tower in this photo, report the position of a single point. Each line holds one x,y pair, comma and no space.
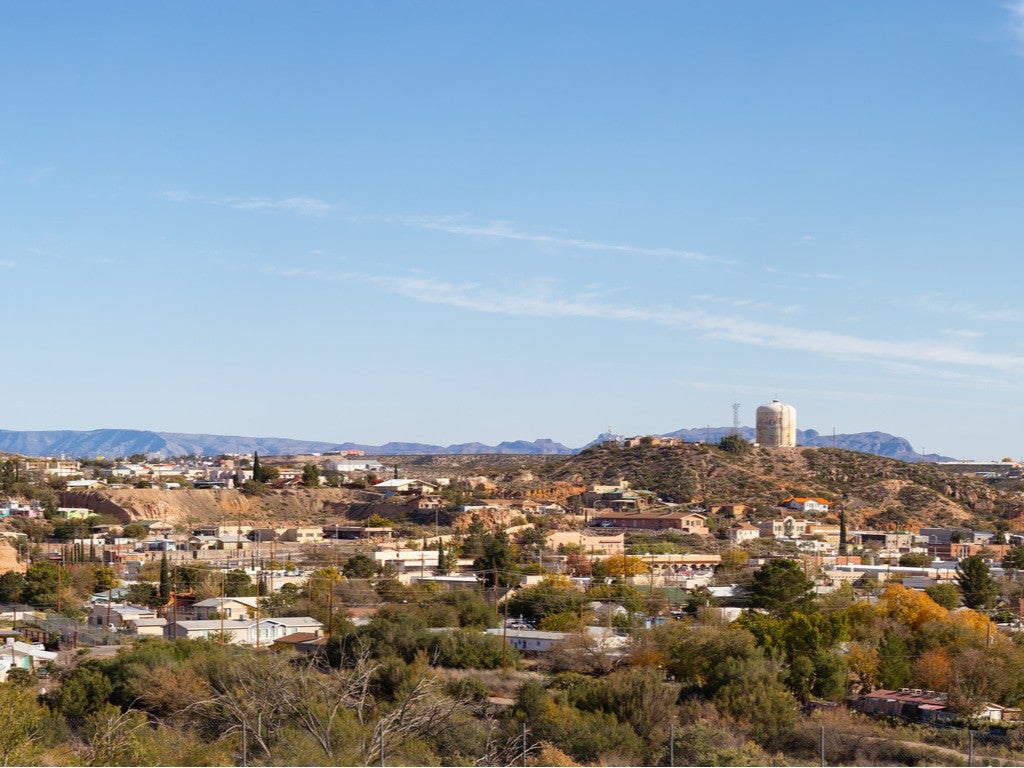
776,425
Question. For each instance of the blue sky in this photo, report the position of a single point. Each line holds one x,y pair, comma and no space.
446,222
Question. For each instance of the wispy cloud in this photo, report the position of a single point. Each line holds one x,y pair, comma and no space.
503,230
752,304
449,224
542,299
303,206
941,304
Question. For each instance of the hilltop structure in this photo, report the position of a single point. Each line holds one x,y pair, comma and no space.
776,425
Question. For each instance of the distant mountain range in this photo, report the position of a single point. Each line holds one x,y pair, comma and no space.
113,443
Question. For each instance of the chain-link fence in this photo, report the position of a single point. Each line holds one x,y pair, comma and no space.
113,737
878,744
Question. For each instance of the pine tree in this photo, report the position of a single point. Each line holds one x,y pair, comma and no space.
975,582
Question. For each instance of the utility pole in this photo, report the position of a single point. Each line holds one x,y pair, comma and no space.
223,580
330,608
257,610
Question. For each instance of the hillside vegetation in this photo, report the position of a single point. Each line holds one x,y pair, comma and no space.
874,489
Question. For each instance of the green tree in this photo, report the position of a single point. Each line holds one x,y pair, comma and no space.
23,725
359,567
894,666
915,560
780,587
105,578
735,444
311,476
41,584
144,593
945,594
1014,559
84,691
497,560
237,583
134,531
554,594
12,584
976,583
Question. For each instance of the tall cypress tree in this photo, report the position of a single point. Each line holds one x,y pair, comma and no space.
257,470
165,579
842,532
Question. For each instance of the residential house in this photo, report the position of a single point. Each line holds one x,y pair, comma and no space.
229,630
117,615
274,629
410,559
788,527
428,503
405,485
807,505
74,513
147,627
229,607
538,641
15,654
743,532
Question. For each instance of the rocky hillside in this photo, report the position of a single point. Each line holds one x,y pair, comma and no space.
189,507
876,491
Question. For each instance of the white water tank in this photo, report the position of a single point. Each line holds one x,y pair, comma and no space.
776,425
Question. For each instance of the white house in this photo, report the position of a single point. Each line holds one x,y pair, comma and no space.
743,532
18,655
276,628
807,505
405,485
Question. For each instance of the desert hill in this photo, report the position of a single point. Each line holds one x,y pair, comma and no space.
875,490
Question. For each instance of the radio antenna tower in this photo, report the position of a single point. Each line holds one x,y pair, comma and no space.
736,419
